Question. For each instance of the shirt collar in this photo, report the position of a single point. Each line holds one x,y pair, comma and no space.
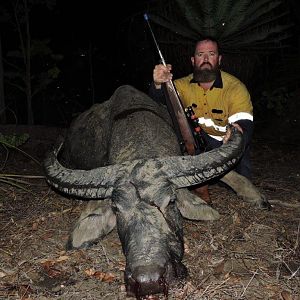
218,83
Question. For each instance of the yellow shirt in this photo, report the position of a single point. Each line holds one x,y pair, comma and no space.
227,101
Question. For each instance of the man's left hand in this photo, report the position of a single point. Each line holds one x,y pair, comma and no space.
228,132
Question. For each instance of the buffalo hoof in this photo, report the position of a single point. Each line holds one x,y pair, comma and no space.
194,208
260,202
96,221
265,205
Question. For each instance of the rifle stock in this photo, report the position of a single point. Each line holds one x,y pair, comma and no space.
186,138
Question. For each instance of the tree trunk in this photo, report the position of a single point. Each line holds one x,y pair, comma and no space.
30,120
2,100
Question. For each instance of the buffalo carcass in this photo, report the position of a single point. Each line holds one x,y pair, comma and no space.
124,154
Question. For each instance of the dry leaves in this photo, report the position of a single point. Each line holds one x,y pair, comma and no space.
52,268
102,276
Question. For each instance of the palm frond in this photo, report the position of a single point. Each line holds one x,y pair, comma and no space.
235,18
269,38
191,15
241,25
177,29
268,21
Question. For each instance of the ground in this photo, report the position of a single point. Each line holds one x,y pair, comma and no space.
247,254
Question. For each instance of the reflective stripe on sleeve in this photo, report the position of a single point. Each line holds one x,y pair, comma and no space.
240,116
210,123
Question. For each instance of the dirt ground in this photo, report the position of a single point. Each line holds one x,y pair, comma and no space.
247,254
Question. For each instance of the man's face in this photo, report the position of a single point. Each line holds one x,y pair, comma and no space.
206,61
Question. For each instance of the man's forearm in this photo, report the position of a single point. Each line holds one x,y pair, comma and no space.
157,94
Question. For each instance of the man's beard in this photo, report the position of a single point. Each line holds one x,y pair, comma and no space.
205,75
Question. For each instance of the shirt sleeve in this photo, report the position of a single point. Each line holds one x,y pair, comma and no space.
241,110
157,94
240,105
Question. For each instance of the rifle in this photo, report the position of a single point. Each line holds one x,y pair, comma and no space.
184,120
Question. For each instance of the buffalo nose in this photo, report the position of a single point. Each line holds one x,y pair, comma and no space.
147,280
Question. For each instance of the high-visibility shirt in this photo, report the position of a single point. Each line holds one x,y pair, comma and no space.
226,102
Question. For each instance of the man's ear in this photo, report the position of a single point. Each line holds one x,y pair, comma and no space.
193,60
220,59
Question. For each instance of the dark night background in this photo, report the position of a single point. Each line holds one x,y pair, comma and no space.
80,52
76,30
102,47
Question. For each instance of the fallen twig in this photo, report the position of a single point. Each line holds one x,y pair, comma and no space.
248,284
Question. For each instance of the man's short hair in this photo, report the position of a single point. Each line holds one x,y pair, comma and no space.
208,38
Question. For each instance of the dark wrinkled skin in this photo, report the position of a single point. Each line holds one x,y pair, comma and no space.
132,130
152,240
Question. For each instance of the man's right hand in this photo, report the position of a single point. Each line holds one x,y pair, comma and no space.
161,74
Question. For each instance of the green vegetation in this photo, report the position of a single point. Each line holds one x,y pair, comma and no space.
13,142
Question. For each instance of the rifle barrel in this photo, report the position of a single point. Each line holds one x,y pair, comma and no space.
156,44
176,110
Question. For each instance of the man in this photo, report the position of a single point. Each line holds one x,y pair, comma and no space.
217,98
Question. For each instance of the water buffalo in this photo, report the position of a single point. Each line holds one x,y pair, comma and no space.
123,156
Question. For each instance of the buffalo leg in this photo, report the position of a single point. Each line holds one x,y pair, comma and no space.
194,208
245,189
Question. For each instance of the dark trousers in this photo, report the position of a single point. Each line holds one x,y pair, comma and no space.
244,165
